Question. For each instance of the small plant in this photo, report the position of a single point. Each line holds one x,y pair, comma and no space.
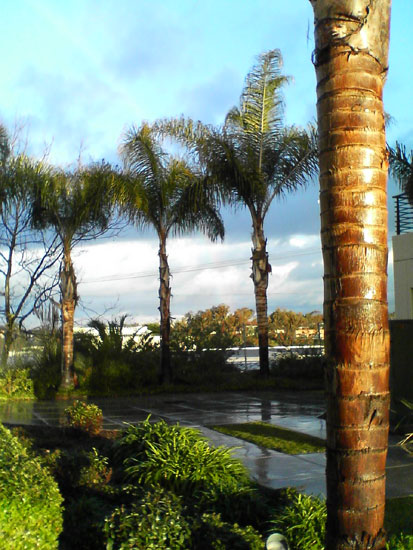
98,472
84,417
302,521
155,521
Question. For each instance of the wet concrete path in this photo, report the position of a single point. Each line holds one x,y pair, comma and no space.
300,411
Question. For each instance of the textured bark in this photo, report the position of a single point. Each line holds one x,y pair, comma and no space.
351,65
68,288
259,275
165,310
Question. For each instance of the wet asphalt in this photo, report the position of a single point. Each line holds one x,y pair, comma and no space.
300,411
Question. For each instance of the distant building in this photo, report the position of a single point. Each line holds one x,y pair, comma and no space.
403,258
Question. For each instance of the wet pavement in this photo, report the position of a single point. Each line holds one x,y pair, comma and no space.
300,411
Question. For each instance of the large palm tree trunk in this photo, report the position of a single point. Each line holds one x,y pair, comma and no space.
351,64
165,310
259,275
68,287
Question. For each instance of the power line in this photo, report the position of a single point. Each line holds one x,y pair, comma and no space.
189,269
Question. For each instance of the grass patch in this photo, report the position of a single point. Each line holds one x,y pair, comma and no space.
274,437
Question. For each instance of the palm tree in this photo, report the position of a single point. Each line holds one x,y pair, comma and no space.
166,194
78,206
253,158
351,64
401,167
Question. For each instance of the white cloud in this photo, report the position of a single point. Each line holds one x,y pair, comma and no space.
123,275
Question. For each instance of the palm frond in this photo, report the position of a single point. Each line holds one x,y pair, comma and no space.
401,168
261,109
172,192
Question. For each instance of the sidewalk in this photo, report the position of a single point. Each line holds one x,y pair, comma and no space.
298,411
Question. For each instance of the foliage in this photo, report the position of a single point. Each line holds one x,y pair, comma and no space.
214,329
84,417
302,521
400,542
205,370
109,364
180,459
15,383
30,502
401,167
283,325
274,437
97,472
155,521
293,365
212,533
46,369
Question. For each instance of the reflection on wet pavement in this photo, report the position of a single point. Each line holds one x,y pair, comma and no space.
298,411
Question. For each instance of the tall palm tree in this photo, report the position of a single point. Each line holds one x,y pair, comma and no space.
254,158
351,41
166,194
401,167
78,206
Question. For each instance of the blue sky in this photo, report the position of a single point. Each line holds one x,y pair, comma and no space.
78,73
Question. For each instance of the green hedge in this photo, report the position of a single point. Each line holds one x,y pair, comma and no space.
30,502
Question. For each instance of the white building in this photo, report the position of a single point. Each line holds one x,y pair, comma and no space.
403,259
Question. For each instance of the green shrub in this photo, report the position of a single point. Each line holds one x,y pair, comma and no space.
30,502
400,542
292,365
205,369
302,521
16,384
97,472
155,521
181,460
46,370
84,417
212,533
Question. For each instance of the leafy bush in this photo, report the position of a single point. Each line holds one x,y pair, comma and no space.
46,370
30,502
292,365
84,417
206,369
108,365
302,521
181,460
155,521
16,384
212,533
400,542
97,472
